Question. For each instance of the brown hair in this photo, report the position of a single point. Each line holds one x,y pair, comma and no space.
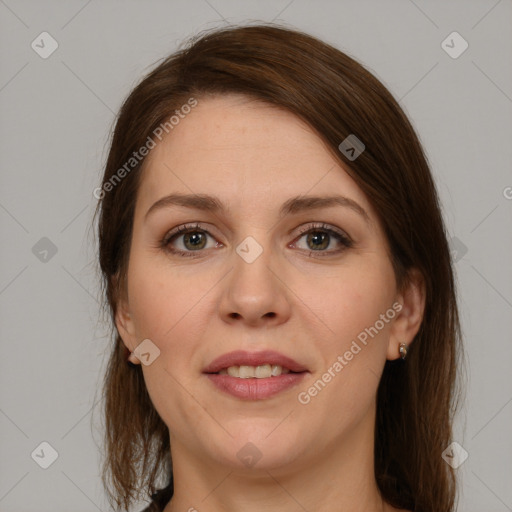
337,97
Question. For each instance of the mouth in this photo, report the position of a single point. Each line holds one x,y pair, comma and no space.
254,375
263,364
262,371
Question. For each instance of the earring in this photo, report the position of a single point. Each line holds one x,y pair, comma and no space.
131,359
403,350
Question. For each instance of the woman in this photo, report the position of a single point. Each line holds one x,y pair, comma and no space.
277,269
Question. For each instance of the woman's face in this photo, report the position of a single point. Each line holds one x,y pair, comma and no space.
251,279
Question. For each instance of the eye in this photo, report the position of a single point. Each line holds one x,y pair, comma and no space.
190,238
319,238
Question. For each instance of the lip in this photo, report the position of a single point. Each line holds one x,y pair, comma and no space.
253,388
245,358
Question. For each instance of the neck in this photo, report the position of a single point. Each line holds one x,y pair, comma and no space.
339,477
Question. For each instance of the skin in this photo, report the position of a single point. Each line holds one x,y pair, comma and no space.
319,456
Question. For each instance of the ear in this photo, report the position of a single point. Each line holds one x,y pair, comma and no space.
124,322
408,321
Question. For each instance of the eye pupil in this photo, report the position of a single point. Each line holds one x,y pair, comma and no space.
195,238
318,237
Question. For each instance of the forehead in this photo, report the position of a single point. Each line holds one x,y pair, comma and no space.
246,152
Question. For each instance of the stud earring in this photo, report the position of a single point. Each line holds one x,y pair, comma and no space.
131,359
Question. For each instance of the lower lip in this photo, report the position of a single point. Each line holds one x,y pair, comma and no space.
255,389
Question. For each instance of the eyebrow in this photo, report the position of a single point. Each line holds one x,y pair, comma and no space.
292,206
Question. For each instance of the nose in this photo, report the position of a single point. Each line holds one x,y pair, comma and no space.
255,294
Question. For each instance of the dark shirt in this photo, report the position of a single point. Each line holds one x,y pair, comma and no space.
160,499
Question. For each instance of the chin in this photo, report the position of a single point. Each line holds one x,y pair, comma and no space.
257,444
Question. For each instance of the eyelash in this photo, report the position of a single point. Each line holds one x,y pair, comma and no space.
181,230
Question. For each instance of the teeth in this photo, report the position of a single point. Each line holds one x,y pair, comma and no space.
277,370
263,371
234,371
246,372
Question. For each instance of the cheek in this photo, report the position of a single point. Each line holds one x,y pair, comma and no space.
352,353
348,300
163,298
355,351
168,307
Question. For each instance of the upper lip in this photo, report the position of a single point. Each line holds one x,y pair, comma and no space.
245,358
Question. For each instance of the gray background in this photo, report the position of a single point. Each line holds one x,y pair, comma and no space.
56,116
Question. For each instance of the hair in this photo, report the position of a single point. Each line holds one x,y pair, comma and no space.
336,96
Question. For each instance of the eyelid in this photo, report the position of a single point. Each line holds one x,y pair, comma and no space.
322,226
342,237
183,229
